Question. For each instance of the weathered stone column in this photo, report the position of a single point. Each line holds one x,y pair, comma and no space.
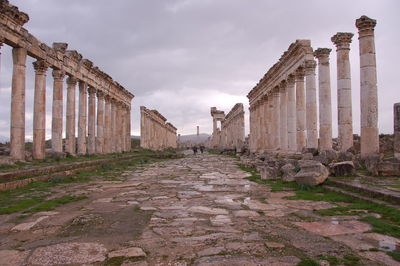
100,123
70,123
39,110
291,120
263,125
92,121
283,116
251,137
300,110
57,111
311,105
325,103
113,126
107,124
342,41
368,87
17,123
276,119
129,128
82,119
118,127
396,115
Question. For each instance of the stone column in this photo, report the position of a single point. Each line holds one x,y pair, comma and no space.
100,123
118,127
107,124
113,126
342,41
283,116
82,119
70,123
251,137
276,119
129,128
263,125
325,104
57,111
291,120
396,116
39,110
311,105
368,87
17,123
300,110
92,121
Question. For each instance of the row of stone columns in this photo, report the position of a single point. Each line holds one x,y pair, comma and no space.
113,135
286,118
232,129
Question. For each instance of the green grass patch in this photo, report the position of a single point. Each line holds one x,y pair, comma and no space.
331,259
394,254
382,226
20,205
54,203
308,262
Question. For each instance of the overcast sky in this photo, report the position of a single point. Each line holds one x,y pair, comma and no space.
183,56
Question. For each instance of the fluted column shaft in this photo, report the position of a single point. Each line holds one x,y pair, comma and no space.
276,120
311,105
291,120
92,121
57,111
70,123
82,119
100,123
300,110
283,117
119,128
263,124
129,128
325,103
123,128
342,41
368,87
107,125
17,123
39,110
113,126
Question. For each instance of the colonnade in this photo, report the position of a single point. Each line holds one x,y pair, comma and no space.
216,137
100,131
155,132
232,129
283,105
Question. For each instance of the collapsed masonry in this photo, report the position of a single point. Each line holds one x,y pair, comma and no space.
106,132
155,132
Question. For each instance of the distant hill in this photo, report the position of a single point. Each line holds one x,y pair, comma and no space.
194,138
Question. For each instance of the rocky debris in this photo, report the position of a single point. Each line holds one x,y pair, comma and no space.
28,156
342,168
6,160
12,257
389,167
133,252
53,154
326,157
288,172
311,173
68,253
307,156
371,163
4,150
345,156
268,172
313,151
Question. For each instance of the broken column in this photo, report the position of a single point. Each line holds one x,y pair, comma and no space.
17,123
396,115
325,103
342,41
368,87
39,110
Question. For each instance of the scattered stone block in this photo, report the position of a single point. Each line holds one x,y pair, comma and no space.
268,173
288,172
342,168
312,173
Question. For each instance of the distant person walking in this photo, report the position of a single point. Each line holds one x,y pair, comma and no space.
194,148
202,149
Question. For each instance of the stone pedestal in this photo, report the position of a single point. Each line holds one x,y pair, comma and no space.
82,119
92,121
300,110
70,123
396,115
311,105
283,116
100,123
342,41
325,103
39,111
17,123
57,111
291,109
368,87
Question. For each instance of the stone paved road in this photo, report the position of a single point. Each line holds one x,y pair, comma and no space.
196,210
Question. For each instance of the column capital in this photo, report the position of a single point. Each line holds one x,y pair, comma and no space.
91,90
299,74
283,86
342,40
310,67
100,94
275,91
322,53
107,98
71,80
58,74
290,80
82,86
365,26
40,66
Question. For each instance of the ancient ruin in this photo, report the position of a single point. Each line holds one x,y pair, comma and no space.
155,132
231,135
113,100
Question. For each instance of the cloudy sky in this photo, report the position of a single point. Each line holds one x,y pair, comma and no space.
183,56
